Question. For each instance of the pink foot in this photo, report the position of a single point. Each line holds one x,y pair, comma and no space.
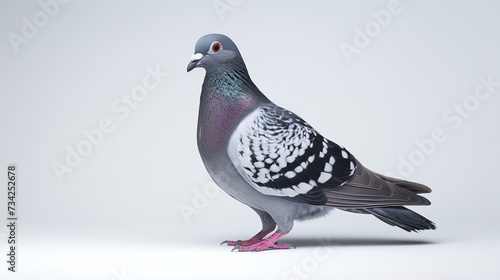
268,243
254,239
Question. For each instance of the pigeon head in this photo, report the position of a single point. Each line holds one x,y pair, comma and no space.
226,74
214,52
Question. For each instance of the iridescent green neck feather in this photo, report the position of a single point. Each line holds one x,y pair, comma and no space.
231,80
226,82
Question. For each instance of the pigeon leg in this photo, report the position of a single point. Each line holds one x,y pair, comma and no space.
266,244
254,239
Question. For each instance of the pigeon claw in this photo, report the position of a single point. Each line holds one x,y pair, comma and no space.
231,242
265,244
236,248
254,239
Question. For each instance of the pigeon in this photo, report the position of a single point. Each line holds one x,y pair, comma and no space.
270,159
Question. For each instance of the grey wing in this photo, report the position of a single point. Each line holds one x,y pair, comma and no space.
367,189
279,154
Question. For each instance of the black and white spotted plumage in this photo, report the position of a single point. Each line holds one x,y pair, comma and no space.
280,154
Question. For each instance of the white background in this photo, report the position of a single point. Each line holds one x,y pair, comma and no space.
117,215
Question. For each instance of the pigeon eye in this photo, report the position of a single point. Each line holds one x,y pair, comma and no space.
216,47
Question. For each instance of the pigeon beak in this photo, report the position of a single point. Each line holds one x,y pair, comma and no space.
195,59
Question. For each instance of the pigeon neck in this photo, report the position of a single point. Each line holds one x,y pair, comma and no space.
219,115
230,83
227,97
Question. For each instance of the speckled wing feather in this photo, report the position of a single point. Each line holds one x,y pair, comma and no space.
280,154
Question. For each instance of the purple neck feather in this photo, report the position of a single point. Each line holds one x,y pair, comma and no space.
228,96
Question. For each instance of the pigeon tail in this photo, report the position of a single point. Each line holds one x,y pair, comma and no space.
402,217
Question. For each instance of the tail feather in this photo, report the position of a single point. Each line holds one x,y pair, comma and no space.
412,186
402,217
